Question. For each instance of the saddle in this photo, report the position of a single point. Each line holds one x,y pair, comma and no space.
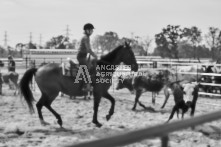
70,68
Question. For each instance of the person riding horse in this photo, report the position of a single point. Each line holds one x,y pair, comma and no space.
11,64
84,49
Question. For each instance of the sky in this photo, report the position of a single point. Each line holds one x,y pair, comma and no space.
125,17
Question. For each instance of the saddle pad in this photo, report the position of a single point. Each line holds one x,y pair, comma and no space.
69,68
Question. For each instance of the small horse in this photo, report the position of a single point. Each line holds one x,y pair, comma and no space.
185,97
11,78
140,84
50,81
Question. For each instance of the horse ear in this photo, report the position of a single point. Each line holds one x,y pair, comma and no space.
125,43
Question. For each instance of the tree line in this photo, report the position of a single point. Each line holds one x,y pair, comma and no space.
171,42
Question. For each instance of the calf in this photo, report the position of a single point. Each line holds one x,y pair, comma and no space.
140,84
185,97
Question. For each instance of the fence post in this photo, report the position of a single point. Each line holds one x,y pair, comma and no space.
164,141
176,73
154,64
197,73
26,62
33,81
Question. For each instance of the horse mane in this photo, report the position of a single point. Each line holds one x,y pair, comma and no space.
110,56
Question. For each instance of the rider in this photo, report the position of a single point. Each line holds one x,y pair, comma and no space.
11,63
84,49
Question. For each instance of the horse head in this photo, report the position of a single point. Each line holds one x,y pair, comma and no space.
128,57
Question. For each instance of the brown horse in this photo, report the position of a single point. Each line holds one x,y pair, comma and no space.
11,78
50,81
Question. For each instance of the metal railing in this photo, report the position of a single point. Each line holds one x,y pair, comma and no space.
162,131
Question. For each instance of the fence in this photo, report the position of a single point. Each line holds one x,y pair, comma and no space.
144,62
161,131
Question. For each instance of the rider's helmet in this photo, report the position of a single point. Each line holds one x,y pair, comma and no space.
88,26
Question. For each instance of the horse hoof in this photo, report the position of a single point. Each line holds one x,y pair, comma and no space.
108,117
44,123
133,109
97,124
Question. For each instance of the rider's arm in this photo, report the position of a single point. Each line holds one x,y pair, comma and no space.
88,46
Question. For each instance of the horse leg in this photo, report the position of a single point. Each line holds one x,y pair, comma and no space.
16,88
138,94
54,113
167,95
97,98
39,106
112,100
47,103
10,84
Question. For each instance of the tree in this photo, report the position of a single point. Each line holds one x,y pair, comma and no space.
213,40
59,42
193,36
106,42
146,42
168,39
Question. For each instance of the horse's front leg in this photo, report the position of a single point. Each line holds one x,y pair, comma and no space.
17,89
97,98
112,100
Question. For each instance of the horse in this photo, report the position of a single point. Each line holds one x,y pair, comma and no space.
11,78
50,81
152,82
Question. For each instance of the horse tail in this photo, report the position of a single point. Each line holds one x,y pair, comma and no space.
25,89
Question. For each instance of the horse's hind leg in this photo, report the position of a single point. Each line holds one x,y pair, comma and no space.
47,104
16,88
55,114
112,100
39,106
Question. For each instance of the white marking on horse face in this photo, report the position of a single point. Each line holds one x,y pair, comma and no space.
188,89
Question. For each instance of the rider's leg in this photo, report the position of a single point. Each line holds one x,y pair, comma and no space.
86,85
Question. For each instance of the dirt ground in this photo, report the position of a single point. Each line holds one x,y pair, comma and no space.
19,128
